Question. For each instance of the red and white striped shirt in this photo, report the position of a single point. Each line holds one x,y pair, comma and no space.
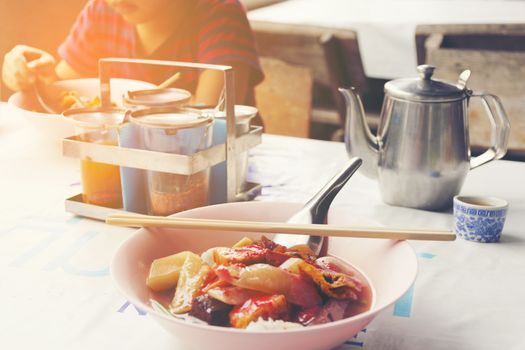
214,32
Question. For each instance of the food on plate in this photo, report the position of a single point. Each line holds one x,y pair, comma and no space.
164,272
72,99
258,285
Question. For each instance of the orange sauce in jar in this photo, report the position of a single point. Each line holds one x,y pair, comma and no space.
101,183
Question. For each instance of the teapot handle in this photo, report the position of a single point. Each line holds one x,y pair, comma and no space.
500,126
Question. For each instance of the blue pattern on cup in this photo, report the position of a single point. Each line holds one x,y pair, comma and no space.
480,225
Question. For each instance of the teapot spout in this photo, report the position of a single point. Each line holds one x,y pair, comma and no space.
359,140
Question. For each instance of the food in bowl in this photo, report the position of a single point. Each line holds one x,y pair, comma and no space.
83,91
72,99
390,267
259,284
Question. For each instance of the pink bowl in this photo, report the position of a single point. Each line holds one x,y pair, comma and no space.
391,267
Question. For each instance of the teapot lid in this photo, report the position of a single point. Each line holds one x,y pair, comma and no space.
424,88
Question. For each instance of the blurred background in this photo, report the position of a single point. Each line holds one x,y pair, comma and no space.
43,24
309,48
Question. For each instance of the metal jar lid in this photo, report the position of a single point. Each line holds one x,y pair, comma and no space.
424,88
169,118
243,113
95,118
157,97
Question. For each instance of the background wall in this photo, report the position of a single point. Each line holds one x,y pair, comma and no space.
40,23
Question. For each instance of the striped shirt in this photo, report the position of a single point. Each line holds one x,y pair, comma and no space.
214,32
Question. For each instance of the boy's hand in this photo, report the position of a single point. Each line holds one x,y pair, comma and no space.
23,64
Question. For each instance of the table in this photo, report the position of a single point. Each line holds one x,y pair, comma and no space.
57,293
386,28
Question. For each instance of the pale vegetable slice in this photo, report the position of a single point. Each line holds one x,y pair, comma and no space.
164,272
193,274
264,278
292,265
269,279
247,255
208,256
231,295
243,242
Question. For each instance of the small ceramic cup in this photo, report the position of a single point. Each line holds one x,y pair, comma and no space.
479,219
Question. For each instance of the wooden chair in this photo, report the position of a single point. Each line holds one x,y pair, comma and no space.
284,98
332,56
496,56
346,69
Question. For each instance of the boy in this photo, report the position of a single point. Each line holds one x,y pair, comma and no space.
205,31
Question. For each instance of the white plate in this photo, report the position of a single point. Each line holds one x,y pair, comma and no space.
53,127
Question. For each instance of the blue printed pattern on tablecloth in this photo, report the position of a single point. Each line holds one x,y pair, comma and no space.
49,232
56,230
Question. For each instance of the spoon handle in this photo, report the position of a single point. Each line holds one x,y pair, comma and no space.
316,209
319,204
43,98
166,83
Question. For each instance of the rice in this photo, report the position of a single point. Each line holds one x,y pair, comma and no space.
272,325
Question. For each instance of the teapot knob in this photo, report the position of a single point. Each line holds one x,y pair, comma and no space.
425,71
463,77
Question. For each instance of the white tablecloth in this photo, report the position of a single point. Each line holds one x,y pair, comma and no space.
57,293
386,28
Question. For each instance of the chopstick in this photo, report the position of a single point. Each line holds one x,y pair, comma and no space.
166,83
278,227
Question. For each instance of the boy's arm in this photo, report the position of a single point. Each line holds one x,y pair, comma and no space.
23,64
211,83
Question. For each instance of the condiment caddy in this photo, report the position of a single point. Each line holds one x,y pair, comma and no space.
138,162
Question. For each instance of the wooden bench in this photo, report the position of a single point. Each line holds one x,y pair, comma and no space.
284,98
332,56
496,56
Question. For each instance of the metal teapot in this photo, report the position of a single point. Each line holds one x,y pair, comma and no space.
421,153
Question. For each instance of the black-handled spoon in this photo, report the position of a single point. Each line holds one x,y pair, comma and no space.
316,209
